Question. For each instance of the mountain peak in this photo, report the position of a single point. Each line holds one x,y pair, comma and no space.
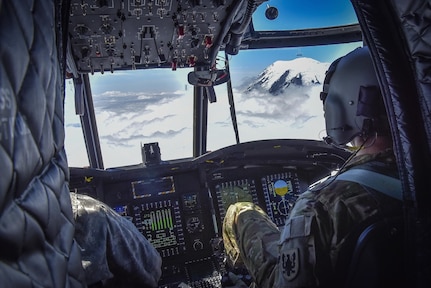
280,75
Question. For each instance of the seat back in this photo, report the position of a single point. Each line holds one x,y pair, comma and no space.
36,220
378,256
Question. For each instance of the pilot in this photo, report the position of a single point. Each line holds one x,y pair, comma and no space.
114,253
304,253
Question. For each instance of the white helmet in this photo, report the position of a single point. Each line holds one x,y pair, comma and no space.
352,100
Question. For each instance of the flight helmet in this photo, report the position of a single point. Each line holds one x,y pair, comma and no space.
352,101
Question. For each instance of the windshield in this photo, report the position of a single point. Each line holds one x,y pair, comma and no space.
293,15
276,95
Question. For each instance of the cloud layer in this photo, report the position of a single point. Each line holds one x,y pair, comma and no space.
126,120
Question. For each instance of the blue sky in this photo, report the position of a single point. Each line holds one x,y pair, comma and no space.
300,14
297,14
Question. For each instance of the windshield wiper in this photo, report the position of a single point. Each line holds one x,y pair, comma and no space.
231,101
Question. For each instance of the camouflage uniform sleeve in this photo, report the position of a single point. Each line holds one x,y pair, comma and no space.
112,247
279,259
304,257
306,251
250,239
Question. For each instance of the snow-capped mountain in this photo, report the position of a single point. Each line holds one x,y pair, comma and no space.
279,76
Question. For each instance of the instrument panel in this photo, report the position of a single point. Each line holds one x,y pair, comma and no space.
179,207
275,192
110,35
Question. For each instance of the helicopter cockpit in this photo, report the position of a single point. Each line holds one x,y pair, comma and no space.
179,205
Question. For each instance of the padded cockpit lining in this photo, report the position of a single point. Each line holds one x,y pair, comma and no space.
36,221
398,33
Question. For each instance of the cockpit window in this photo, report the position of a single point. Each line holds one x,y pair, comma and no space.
275,92
133,108
293,15
74,138
276,95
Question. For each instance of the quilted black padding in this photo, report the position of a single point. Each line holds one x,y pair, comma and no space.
401,42
36,220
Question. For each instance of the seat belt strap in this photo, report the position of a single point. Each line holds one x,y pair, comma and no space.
387,185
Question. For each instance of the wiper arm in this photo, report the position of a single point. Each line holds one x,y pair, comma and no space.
231,101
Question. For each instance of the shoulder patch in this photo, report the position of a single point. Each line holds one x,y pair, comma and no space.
290,263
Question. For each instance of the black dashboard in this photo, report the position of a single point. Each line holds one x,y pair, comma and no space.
179,206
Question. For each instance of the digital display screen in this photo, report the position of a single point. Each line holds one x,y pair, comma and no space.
190,201
280,191
160,223
158,227
281,194
152,187
235,191
158,220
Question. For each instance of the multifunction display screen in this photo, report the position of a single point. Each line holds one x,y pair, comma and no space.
160,223
159,227
280,191
231,192
158,217
152,187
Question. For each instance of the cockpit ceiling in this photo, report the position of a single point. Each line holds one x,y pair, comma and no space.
108,35
138,34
